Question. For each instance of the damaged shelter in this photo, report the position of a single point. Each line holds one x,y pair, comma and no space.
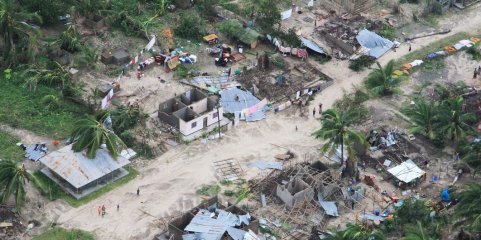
304,195
213,221
407,174
373,45
79,175
191,113
243,105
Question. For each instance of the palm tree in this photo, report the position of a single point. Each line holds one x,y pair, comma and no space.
473,157
12,181
335,129
454,120
423,117
381,81
416,233
359,232
17,34
90,134
468,209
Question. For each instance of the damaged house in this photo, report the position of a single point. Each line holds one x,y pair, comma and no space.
212,221
191,113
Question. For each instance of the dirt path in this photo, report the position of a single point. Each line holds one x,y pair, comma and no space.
168,184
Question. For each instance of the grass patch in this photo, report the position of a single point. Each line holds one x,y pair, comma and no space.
58,233
54,192
387,32
434,64
208,190
10,151
26,111
433,47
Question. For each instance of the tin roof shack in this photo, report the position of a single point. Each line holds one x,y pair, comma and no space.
407,174
79,175
191,112
212,221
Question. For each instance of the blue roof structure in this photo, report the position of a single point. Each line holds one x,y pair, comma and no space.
311,45
376,44
77,169
235,100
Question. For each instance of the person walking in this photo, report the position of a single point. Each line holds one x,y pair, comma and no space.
296,128
118,207
475,73
320,108
103,210
314,112
409,47
138,191
99,209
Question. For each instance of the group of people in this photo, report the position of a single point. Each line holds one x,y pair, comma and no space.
314,110
102,210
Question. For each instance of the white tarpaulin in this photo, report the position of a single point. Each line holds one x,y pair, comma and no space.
106,100
286,14
310,3
416,63
150,44
406,171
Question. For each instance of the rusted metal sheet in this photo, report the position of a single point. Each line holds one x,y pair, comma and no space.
77,169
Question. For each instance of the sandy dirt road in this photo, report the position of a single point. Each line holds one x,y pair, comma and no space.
168,183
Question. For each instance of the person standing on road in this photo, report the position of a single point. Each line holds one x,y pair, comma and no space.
314,112
99,209
138,191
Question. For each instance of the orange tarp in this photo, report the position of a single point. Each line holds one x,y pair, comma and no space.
210,37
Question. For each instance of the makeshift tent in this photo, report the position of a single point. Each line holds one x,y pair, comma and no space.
376,44
407,171
249,37
312,45
211,38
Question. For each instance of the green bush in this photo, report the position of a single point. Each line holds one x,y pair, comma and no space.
279,62
191,26
290,38
387,32
49,11
361,63
475,53
231,27
409,1
208,190
58,233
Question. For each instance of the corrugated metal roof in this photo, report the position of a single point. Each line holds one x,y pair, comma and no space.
377,45
406,171
312,45
79,170
231,105
330,208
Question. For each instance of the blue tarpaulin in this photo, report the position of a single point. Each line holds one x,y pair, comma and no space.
376,44
445,195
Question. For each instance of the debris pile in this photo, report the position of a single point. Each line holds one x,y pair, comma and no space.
10,225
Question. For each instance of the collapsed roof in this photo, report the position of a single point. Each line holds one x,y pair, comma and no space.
376,44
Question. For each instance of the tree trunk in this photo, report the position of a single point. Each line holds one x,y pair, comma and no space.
342,152
351,168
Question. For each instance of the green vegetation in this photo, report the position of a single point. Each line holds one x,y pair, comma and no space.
191,26
208,190
58,233
381,81
387,32
10,151
27,111
54,192
13,177
475,53
89,133
361,63
336,129
468,210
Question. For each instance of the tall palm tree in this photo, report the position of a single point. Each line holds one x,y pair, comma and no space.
468,209
473,157
12,181
90,134
17,34
416,233
423,117
359,232
336,130
454,121
381,81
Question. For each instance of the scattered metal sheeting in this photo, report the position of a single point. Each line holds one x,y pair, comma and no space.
312,45
263,165
376,44
329,207
371,217
36,151
77,169
215,81
407,171
205,226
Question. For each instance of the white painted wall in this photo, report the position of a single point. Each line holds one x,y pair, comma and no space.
186,127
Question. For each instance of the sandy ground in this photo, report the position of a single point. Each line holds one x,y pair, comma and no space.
168,183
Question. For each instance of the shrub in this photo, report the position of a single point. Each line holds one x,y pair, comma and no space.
191,27
208,190
278,62
475,53
361,63
231,27
387,32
